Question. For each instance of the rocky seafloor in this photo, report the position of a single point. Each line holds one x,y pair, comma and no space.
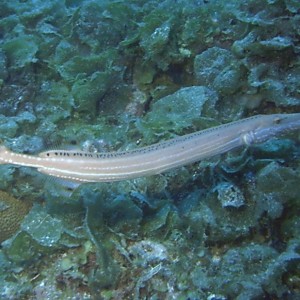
117,75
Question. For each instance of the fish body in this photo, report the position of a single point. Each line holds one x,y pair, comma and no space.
82,166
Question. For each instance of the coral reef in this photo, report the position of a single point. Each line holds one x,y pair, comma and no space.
12,212
109,75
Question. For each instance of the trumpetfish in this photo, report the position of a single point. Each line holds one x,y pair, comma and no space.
80,166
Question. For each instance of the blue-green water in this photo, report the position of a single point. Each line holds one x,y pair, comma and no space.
109,75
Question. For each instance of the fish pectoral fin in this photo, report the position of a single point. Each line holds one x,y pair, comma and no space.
61,187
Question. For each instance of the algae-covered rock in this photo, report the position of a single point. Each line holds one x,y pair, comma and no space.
123,214
43,228
87,92
158,220
27,144
3,63
157,40
156,37
21,51
178,111
277,186
63,53
6,176
12,212
178,235
230,195
147,252
79,66
252,269
258,43
58,105
278,180
144,73
281,92
219,69
275,148
292,5
8,127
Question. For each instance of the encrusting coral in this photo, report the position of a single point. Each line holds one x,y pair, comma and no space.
12,212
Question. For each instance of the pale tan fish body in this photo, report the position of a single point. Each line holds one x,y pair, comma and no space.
114,166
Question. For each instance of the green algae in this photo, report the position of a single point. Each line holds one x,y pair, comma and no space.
59,104
43,228
278,181
3,69
87,92
79,66
8,127
158,220
218,69
21,51
178,111
71,73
